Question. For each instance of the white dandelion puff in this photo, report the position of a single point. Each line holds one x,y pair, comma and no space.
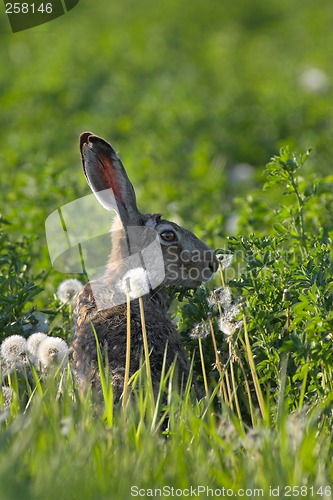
229,327
241,173
200,330
221,296
314,80
7,396
232,312
68,289
33,344
296,426
227,320
135,283
4,367
53,352
14,350
225,260
211,300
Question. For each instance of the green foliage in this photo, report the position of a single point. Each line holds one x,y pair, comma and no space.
187,92
284,280
17,287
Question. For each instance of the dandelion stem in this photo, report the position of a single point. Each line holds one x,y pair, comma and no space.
228,388
106,383
221,275
128,350
203,365
288,319
253,369
304,382
224,390
286,298
248,392
234,387
217,358
145,342
299,225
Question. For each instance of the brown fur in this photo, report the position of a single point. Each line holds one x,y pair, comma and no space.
102,303
110,326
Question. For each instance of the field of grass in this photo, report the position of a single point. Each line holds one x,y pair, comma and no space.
214,109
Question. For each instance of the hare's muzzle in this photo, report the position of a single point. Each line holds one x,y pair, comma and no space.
212,264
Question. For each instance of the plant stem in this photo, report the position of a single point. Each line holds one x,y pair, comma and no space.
203,365
300,226
128,351
234,387
253,369
221,275
145,342
217,357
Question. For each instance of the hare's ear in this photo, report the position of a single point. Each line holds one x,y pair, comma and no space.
107,177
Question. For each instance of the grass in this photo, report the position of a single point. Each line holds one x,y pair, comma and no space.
187,93
60,447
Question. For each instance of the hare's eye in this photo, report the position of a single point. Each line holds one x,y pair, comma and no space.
168,236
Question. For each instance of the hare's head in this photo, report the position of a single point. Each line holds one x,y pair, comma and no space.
171,255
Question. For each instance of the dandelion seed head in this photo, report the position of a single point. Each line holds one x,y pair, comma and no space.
4,366
296,425
194,333
68,289
220,296
200,330
229,327
7,395
135,283
34,342
14,349
226,327
53,352
65,426
227,431
241,173
225,260
211,300
232,312
314,80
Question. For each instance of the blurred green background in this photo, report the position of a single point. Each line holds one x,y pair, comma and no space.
196,96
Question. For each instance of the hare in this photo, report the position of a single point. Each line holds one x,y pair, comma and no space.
169,256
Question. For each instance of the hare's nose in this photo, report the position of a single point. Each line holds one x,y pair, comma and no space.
213,264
